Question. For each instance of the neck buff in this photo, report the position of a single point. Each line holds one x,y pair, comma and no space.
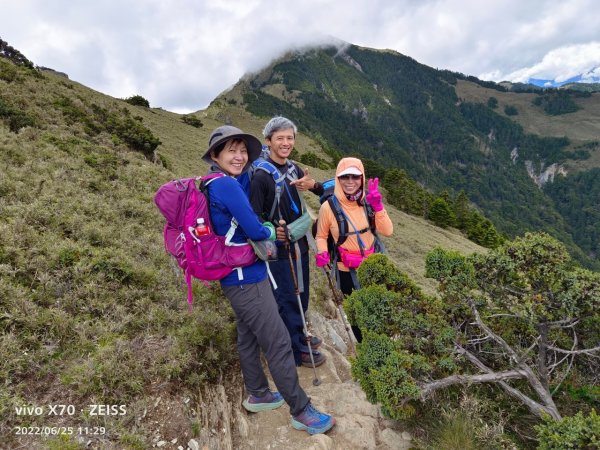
354,197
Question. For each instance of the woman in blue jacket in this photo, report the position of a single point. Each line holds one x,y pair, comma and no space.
259,324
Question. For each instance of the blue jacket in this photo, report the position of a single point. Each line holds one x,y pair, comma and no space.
228,199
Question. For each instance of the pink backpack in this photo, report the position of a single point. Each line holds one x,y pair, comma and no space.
207,257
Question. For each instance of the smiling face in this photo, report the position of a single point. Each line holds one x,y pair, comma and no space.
233,157
281,144
350,183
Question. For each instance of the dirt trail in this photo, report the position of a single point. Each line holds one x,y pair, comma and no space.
360,424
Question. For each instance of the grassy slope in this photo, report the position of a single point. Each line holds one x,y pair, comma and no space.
92,311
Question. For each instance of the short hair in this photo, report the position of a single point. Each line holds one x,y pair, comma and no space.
278,123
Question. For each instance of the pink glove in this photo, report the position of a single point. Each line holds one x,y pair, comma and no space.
322,259
374,196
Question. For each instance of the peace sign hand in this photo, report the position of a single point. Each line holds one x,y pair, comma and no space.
374,196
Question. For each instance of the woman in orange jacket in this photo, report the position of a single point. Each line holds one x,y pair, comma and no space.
349,193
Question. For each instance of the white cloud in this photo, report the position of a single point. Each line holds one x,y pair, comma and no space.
180,54
560,64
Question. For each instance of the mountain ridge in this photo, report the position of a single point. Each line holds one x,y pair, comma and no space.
389,108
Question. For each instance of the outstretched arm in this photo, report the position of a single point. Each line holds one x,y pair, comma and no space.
308,183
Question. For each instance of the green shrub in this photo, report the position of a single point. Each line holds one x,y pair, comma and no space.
379,270
373,308
444,265
372,353
192,120
577,432
15,118
127,129
164,161
138,100
555,103
394,384
311,159
119,123
492,102
510,110
9,72
441,214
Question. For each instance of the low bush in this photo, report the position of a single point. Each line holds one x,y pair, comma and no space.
138,100
192,120
576,432
14,117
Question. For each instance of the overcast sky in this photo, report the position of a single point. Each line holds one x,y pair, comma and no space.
180,54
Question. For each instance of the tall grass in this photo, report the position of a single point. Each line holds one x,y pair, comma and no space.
92,311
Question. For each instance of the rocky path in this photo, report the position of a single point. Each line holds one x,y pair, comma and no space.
360,424
225,425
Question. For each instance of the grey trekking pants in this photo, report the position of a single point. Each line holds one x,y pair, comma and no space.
260,327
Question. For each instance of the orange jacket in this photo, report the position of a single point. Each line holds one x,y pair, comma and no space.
356,213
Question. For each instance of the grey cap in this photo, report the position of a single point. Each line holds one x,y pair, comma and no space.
227,132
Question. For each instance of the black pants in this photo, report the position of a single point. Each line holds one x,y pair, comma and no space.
347,286
287,301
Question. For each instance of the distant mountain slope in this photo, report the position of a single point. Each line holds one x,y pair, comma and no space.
390,109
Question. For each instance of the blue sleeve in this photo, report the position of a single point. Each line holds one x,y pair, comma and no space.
231,194
244,180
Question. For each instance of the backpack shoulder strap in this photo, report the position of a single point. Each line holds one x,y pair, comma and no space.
263,164
278,178
340,218
291,171
370,213
378,244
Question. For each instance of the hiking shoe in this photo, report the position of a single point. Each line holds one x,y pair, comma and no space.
271,400
317,356
312,421
315,342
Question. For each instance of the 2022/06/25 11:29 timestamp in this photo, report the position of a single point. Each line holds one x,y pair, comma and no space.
56,431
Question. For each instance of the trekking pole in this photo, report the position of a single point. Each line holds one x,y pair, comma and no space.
316,380
338,301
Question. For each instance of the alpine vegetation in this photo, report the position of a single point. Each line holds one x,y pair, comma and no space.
521,318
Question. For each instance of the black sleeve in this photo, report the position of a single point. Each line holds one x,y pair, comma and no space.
262,194
318,189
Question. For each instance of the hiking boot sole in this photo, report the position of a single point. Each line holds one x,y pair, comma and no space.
258,407
317,362
316,345
313,430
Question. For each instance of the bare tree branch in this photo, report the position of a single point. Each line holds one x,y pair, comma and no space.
566,323
543,355
504,315
585,351
575,340
478,340
535,407
492,377
513,291
534,382
507,348
528,349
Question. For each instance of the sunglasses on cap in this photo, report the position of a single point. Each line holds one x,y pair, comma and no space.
350,177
